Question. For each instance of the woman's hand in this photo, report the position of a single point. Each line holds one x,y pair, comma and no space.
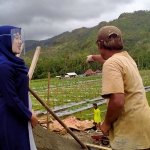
33,120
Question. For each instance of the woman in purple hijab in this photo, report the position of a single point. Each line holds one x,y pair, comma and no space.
15,114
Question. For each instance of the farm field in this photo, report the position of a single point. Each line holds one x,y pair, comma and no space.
82,90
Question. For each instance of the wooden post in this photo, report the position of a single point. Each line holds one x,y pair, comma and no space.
31,70
48,88
98,147
57,118
34,61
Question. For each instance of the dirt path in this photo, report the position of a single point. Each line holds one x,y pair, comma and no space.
46,140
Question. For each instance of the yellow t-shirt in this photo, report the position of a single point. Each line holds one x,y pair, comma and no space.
132,129
97,115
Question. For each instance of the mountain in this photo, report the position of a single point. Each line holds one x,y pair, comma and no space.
67,51
32,44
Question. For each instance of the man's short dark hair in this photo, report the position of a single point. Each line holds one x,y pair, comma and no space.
94,104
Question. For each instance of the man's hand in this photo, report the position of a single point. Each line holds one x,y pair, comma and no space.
33,119
89,59
95,58
105,128
114,110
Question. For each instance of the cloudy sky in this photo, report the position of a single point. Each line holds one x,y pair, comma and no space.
42,19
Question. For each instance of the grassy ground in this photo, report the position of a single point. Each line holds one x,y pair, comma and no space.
77,89
65,91
88,114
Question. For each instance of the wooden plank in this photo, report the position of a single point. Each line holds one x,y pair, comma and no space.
34,61
58,119
98,147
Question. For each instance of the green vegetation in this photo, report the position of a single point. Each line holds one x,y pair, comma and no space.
66,91
67,52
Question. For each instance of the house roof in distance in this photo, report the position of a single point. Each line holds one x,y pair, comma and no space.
89,72
71,74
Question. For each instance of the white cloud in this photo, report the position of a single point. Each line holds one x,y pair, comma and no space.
43,19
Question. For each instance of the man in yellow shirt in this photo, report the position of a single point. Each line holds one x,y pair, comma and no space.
97,116
127,120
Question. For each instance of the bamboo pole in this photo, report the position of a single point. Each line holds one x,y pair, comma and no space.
57,118
48,88
34,61
31,70
98,147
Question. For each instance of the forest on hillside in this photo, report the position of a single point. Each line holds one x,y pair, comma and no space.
67,52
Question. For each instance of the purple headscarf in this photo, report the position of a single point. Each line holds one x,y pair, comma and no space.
6,55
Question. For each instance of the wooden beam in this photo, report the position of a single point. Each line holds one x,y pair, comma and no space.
31,70
34,61
98,147
57,118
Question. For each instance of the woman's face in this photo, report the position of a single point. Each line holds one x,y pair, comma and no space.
17,44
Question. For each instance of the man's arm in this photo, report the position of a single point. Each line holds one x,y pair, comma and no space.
97,58
114,110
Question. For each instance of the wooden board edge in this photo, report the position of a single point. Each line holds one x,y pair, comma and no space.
97,146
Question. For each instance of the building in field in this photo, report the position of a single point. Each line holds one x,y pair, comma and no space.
98,72
89,72
70,75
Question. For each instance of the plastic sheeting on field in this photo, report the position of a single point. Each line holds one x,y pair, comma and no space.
70,122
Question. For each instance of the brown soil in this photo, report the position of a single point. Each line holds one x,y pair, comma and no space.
47,140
